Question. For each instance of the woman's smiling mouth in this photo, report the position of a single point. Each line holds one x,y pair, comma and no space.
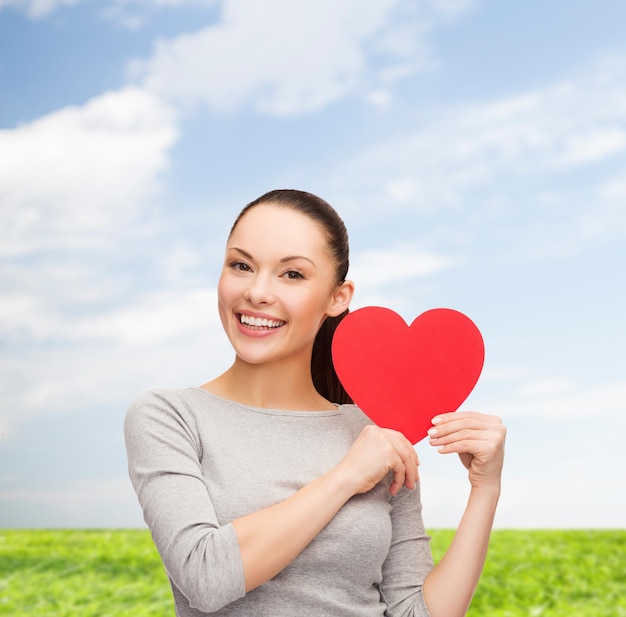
260,323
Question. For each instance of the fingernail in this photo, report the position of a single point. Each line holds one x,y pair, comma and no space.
432,432
436,420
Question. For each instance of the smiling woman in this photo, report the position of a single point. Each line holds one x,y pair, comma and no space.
282,268
267,492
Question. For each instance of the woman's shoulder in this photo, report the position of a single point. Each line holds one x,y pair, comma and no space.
186,402
355,415
157,401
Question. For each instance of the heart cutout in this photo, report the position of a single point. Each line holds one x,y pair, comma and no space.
402,376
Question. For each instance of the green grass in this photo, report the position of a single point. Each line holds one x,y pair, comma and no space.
554,573
118,574
82,574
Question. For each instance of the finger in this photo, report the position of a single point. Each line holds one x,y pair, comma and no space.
411,466
463,446
408,455
402,444
399,475
460,421
445,418
484,445
410,473
443,437
468,430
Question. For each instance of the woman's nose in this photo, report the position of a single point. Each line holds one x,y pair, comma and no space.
260,291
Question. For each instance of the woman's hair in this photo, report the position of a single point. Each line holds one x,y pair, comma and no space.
323,372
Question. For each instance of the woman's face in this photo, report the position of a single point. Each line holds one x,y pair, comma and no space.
277,285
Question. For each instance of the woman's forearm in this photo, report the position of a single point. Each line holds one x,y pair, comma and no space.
273,537
449,588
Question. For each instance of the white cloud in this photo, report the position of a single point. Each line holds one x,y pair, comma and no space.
76,174
401,189
380,99
72,363
386,277
375,268
17,311
520,165
614,188
259,53
153,319
592,146
76,331
282,57
524,133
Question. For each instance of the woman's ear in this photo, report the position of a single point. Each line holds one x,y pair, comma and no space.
341,299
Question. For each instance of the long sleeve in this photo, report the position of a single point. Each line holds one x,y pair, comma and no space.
409,559
201,556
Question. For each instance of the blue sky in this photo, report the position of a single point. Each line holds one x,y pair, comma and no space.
476,150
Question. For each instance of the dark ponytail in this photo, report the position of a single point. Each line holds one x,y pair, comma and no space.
325,379
323,372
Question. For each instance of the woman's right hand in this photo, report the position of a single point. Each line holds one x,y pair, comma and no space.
375,453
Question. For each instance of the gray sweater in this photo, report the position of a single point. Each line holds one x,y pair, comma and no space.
198,461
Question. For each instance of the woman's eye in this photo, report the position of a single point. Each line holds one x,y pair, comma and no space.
293,275
240,265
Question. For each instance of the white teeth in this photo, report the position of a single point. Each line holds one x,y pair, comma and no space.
260,322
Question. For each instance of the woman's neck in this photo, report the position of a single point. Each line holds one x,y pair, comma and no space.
285,385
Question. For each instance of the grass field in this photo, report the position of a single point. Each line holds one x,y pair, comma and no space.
118,574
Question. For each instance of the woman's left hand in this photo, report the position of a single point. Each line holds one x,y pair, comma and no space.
477,438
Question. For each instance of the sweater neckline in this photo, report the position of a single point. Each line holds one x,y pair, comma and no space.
271,411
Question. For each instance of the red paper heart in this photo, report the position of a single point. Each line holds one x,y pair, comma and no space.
402,376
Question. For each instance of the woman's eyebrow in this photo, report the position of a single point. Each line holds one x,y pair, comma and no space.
244,253
282,260
294,257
